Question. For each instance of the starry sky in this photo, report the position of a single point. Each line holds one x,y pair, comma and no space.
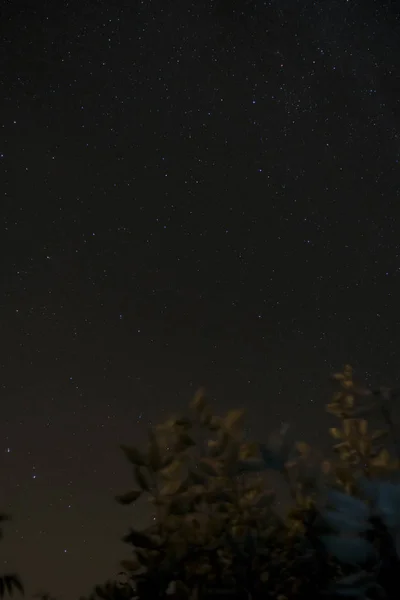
193,193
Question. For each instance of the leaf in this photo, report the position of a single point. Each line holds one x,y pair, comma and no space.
303,448
349,401
199,402
131,565
363,426
334,409
215,423
141,479
338,376
172,469
183,422
133,455
173,487
347,426
379,434
335,433
184,442
140,539
209,466
129,497
234,420
382,460
349,550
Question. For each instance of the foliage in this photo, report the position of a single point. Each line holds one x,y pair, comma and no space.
216,526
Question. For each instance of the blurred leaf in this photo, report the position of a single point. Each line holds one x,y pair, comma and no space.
183,422
347,426
184,442
199,402
131,565
172,469
382,460
173,487
129,497
140,539
349,401
363,426
133,455
335,433
209,466
303,448
215,423
338,376
141,479
234,420
379,434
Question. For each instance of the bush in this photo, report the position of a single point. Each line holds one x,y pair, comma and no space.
217,532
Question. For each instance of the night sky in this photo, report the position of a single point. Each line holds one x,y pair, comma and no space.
193,193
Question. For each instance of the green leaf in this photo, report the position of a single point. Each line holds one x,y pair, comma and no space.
134,455
129,497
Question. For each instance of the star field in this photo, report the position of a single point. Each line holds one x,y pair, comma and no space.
193,193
